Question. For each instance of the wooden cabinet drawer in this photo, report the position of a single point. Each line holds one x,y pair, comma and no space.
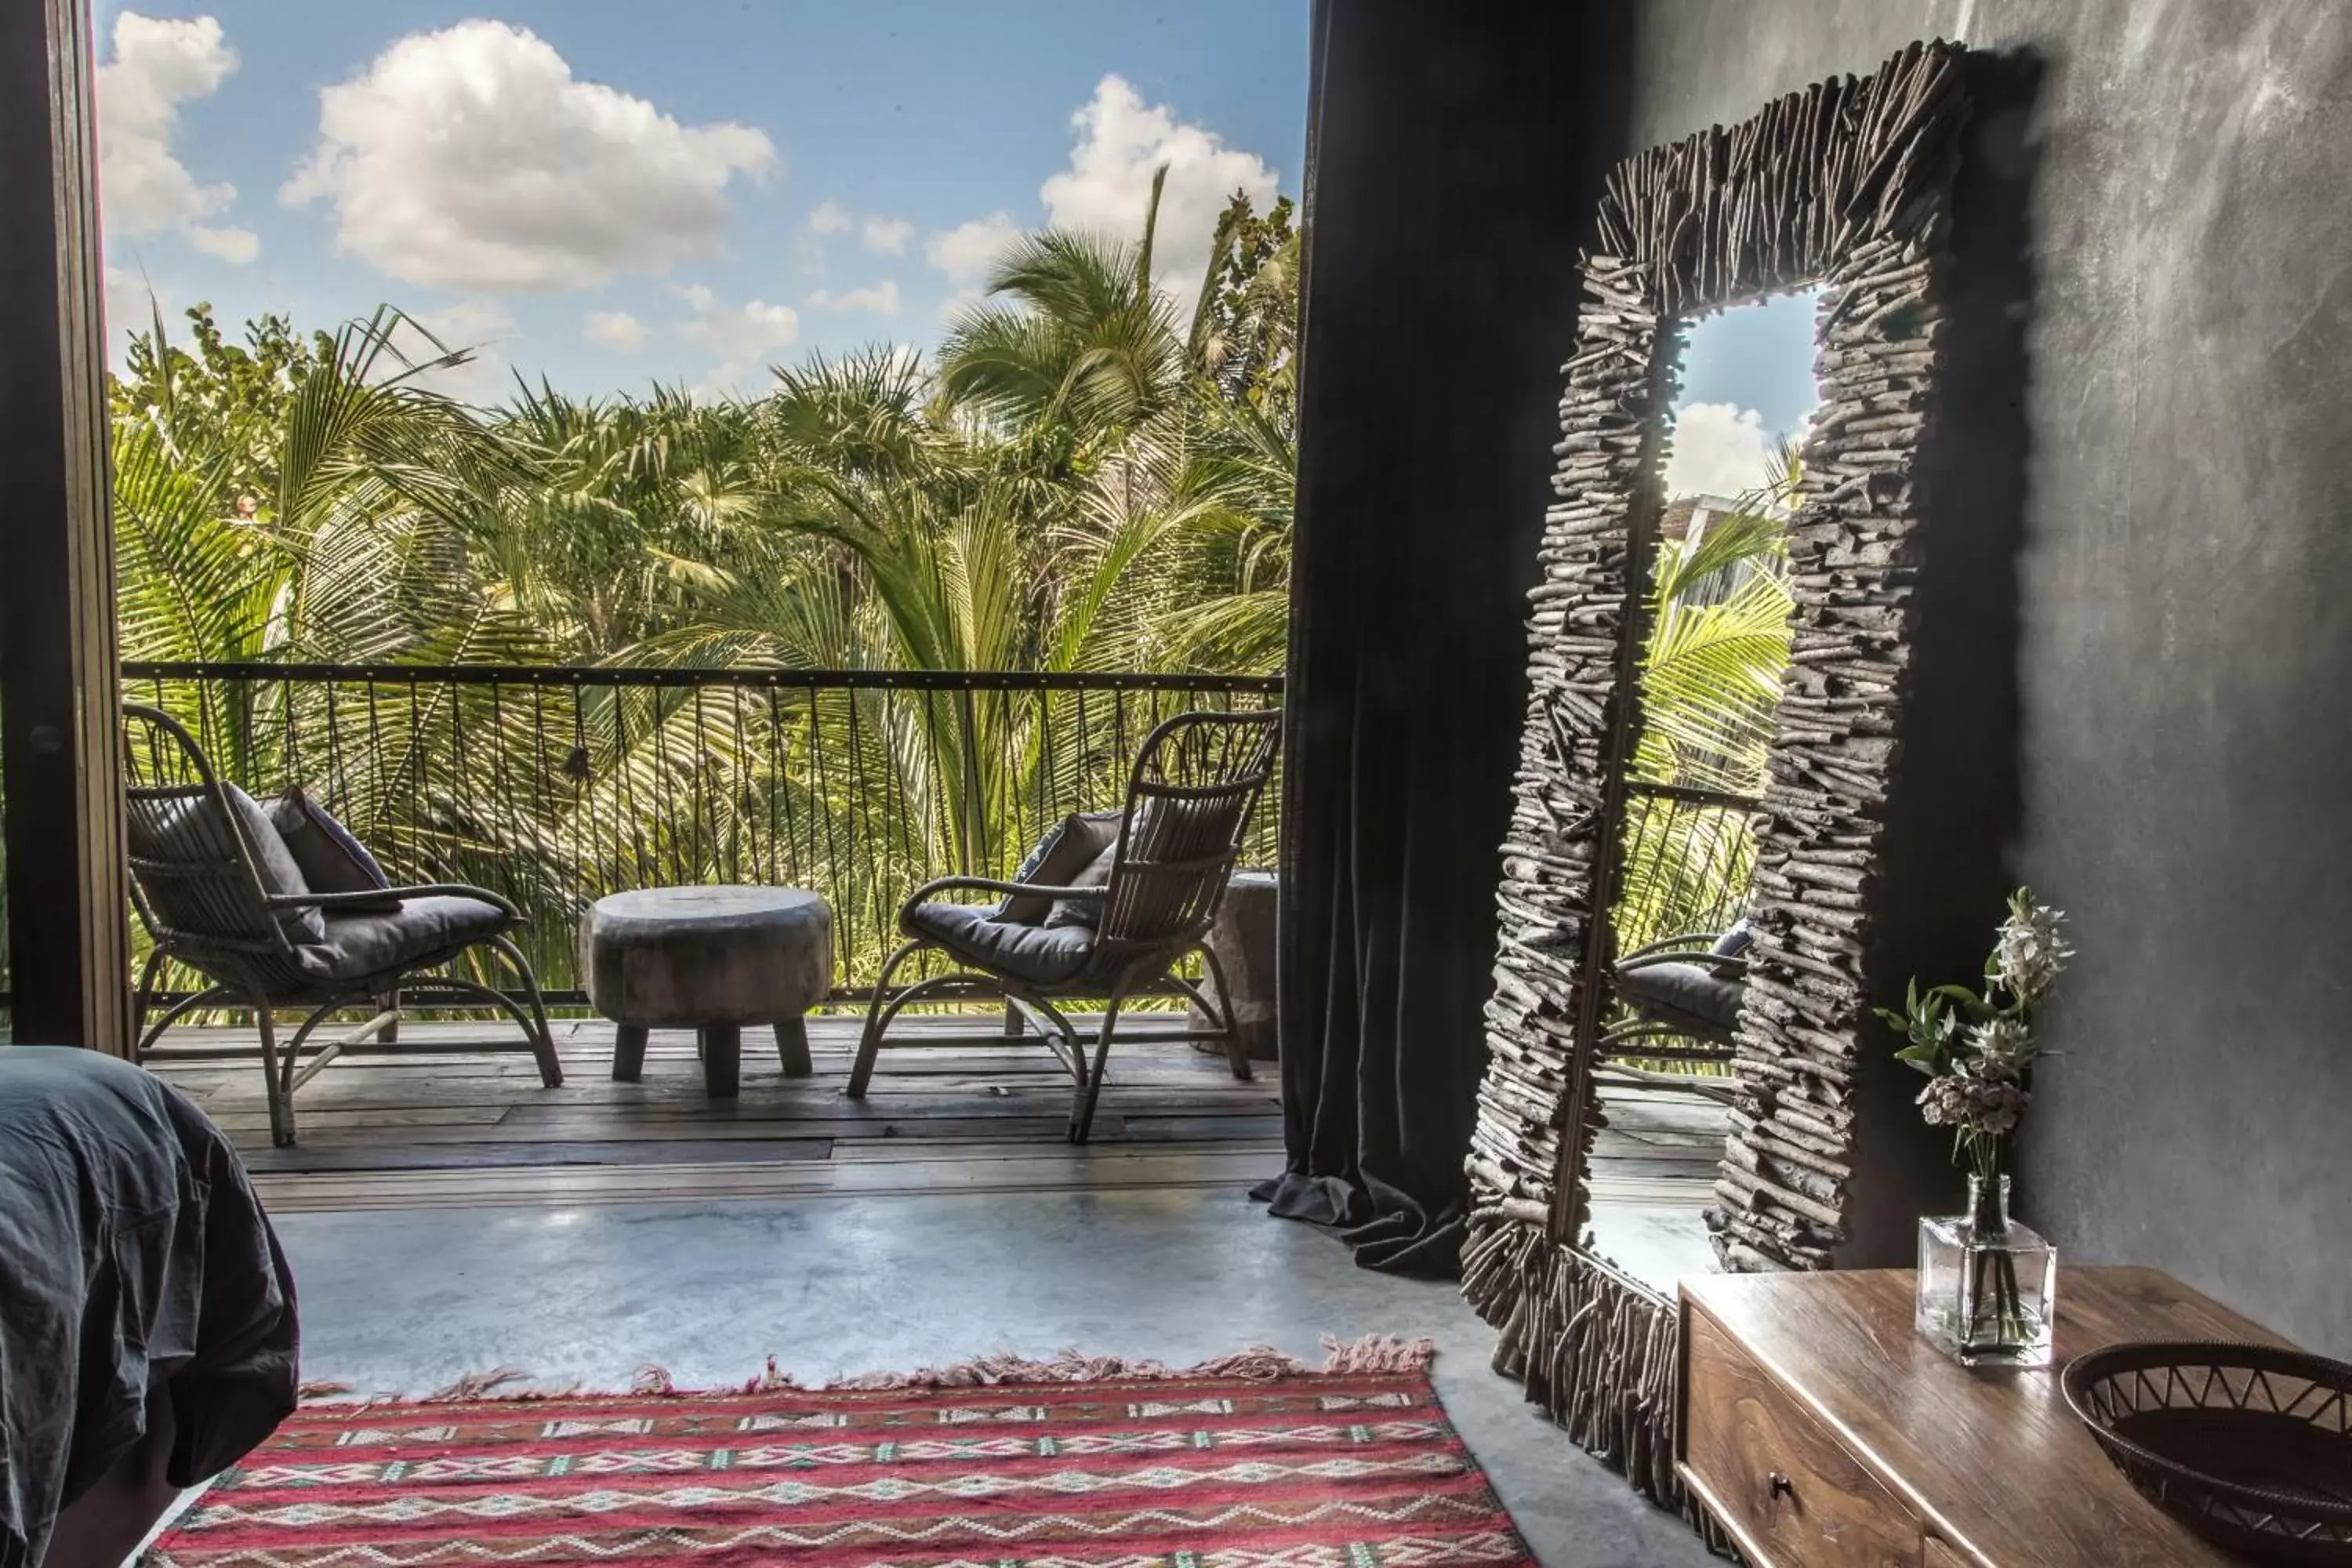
1788,1493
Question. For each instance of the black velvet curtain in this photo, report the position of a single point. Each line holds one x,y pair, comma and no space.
1449,175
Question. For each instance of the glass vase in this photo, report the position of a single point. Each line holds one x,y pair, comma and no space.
1987,1287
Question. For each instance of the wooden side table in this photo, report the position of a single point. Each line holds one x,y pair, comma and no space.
1819,1430
712,959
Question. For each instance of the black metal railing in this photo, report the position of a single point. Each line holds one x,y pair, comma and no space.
1689,862
1688,868
555,785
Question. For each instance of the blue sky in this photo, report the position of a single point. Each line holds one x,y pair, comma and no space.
1747,382
615,193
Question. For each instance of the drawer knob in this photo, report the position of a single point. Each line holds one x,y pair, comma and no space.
1783,1486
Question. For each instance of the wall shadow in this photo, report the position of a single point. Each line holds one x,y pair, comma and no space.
1955,814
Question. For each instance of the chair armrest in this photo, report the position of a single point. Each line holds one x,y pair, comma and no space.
1672,948
990,885
1722,968
377,895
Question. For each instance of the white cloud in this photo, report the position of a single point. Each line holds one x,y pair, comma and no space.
966,252
469,158
238,244
133,303
1121,143
741,335
885,235
614,330
830,218
158,65
1719,449
882,299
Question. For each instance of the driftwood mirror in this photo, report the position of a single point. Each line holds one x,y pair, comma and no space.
1622,825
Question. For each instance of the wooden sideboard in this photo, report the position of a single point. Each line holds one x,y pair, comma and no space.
1821,1431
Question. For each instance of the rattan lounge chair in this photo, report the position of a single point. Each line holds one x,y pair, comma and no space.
1107,905
220,887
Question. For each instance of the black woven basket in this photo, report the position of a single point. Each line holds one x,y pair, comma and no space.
2249,1446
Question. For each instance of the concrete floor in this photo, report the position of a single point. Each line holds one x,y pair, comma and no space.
406,1302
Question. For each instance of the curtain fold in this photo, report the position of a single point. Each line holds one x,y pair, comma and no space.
1437,310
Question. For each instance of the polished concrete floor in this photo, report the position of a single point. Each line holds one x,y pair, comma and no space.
406,1302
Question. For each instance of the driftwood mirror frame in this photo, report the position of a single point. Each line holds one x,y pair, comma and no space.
1843,186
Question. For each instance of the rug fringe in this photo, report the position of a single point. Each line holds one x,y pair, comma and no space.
476,1386
1373,1353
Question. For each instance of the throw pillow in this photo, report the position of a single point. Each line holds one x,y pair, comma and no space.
1732,943
1058,858
280,873
1087,911
331,860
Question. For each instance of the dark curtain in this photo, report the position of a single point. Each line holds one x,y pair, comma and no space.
1449,178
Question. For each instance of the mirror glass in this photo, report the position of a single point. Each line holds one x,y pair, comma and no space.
1718,646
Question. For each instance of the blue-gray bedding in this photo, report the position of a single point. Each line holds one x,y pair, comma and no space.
132,1254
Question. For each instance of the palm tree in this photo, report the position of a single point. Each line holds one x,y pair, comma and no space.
1068,494
1081,347
1711,670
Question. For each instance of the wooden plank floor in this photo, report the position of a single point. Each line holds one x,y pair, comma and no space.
1661,1147
445,1122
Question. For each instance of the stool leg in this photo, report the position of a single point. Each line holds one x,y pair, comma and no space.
628,1053
792,1045
722,1059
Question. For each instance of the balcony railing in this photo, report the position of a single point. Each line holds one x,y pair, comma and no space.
555,785
1689,862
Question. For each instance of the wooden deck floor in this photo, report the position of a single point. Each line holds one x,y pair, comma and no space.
1660,1146
445,1122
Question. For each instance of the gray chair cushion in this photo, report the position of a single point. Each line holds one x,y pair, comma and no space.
1167,828
1060,857
1038,954
1681,993
188,829
356,946
331,860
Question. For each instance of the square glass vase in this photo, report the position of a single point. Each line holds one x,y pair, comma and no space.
1987,1287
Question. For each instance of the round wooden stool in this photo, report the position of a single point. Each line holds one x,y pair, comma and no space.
712,960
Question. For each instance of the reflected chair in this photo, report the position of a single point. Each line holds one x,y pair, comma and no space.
220,887
1682,995
1106,907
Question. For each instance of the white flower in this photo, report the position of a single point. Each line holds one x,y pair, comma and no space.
2003,1047
2030,953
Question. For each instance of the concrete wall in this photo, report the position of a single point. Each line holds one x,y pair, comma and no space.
2142,637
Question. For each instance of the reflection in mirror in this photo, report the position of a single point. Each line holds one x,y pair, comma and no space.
1710,683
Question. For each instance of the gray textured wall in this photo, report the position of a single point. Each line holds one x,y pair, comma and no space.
2147,645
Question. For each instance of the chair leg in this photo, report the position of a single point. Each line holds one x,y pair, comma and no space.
542,1039
1012,1022
211,995
877,1015
390,1003
138,1002
281,1098
1082,1114
1237,1049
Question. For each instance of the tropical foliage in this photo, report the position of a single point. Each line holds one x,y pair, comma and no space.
1710,686
1711,676
1077,484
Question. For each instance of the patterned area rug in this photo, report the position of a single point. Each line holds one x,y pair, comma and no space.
1253,1462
